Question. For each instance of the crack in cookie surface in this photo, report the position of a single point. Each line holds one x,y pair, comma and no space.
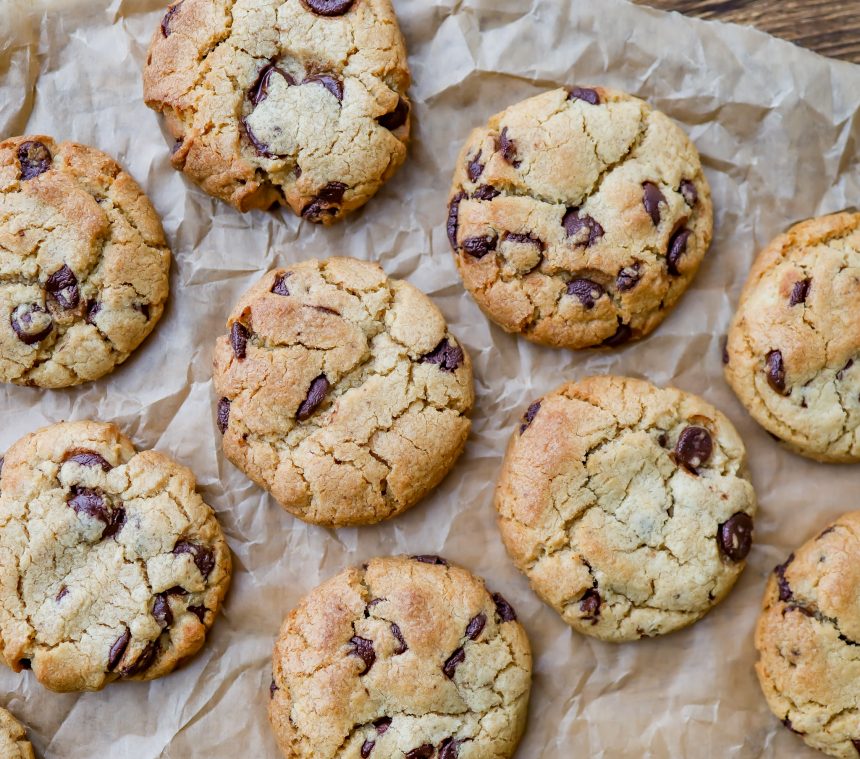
592,231
350,398
637,519
83,263
793,346
275,102
111,565
455,674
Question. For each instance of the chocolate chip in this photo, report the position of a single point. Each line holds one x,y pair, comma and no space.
260,147
486,192
143,308
478,247
690,193
529,416
332,84
508,148
280,285
475,168
35,159
799,292
63,285
725,351
64,591
272,689
329,7
366,748
326,203
628,277
144,660
841,373
734,536
830,529
524,239
576,225
223,418
31,323
449,749
161,611
118,649
589,605
503,608
583,93
677,248
168,17
382,725
87,458
476,626
587,291
402,648
652,197
239,340
621,336
199,612
202,555
116,521
453,661
422,752
93,307
784,588
430,559
447,355
363,649
90,502
316,395
694,447
663,440
775,371
397,117
454,218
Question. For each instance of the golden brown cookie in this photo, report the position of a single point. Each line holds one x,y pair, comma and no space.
794,344
404,658
294,102
13,738
579,217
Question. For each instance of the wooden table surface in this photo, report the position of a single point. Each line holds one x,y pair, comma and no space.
830,27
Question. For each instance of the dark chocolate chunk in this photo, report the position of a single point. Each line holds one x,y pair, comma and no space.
397,118
118,649
734,536
239,340
524,239
449,749
652,197
478,247
203,556
332,84
223,417
508,148
280,285
402,648
799,292
690,193
476,626
31,323
677,248
161,611
34,158
585,229
452,662
694,447
87,458
454,218
475,168
63,285
168,17
448,356
485,192
504,609
585,94
326,203
329,7
317,393
776,371
430,559
784,588
628,277
589,605
144,660
587,291
529,416
363,649
422,752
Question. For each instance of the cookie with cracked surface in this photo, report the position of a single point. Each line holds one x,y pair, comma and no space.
794,344
13,738
83,263
808,640
627,506
294,102
404,657
579,217
342,392
111,565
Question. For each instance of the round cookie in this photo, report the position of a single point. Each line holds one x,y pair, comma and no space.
579,217
342,392
404,657
793,349
84,262
13,738
294,102
111,565
627,506
808,640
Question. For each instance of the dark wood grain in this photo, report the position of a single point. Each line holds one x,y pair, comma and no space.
830,27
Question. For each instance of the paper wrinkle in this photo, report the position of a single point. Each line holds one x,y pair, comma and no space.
778,130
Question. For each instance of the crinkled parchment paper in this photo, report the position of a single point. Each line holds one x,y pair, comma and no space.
777,128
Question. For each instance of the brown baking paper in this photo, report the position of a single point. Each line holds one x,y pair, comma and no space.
777,129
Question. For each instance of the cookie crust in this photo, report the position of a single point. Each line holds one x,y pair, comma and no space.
403,657
13,738
111,564
579,217
285,102
627,506
793,348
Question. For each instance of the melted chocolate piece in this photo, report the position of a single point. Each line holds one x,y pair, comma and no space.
317,393
397,118
448,356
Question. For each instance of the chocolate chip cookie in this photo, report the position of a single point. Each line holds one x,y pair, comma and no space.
627,506
13,738
111,565
342,392
83,263
404,657
294,102
793,348
808,640
579,217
